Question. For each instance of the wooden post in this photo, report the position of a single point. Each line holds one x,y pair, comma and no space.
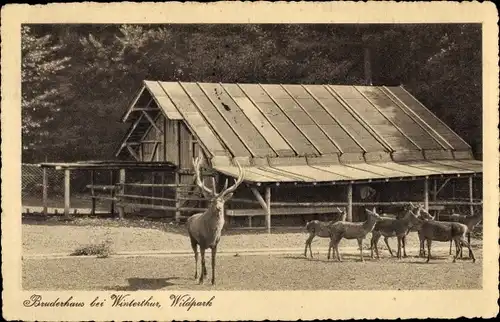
264,204
368,69
426,194
66,192
112,179
268,210
349,202
471,194
152,187
163,187
92,192
44,191
177,201
121,191
434,195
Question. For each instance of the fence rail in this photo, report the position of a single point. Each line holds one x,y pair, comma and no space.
106,194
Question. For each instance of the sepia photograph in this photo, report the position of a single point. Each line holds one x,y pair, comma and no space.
250,156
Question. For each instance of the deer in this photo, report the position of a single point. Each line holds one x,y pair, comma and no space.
433,230
390,227
320,229
351,230
205,228
470,221
423,215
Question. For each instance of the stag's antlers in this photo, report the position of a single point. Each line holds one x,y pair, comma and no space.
199,182
225,192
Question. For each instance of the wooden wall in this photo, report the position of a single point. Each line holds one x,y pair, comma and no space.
154,135
177,145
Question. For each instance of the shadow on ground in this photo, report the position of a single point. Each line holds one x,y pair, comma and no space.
137,284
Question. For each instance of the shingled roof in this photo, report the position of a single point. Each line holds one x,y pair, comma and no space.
285,132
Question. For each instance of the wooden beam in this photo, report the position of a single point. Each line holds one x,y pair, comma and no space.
442,186
152,187
268,210
426,194
434,190
367,65
66,192
259,198
121,187
131,130
132,152
134,101
471,194
265,204
153,123
112,182
153,154
349,202
177,200
44,192
92,191
145,109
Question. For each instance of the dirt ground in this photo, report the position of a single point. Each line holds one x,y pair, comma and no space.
51,236
262,272
242,272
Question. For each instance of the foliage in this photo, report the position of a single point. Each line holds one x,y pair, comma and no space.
101,250
43,87
440,64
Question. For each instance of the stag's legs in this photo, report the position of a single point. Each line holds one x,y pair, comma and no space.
308,243
214,252
360,244
203,267
403,240
194,245
429,242
451,242
386,240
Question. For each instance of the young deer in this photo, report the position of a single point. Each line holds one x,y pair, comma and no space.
320,229
351,230
390,227
430,230
205,228
470,221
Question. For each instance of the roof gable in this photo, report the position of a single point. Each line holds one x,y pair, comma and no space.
291,120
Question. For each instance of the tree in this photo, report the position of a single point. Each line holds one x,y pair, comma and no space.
43,89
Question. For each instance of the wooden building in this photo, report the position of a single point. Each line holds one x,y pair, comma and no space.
305,148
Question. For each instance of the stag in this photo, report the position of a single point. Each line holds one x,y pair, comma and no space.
351,230
320,229
205,228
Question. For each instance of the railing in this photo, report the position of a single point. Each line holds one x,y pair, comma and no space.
174,204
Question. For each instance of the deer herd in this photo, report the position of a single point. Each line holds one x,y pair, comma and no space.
204,229
413,218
